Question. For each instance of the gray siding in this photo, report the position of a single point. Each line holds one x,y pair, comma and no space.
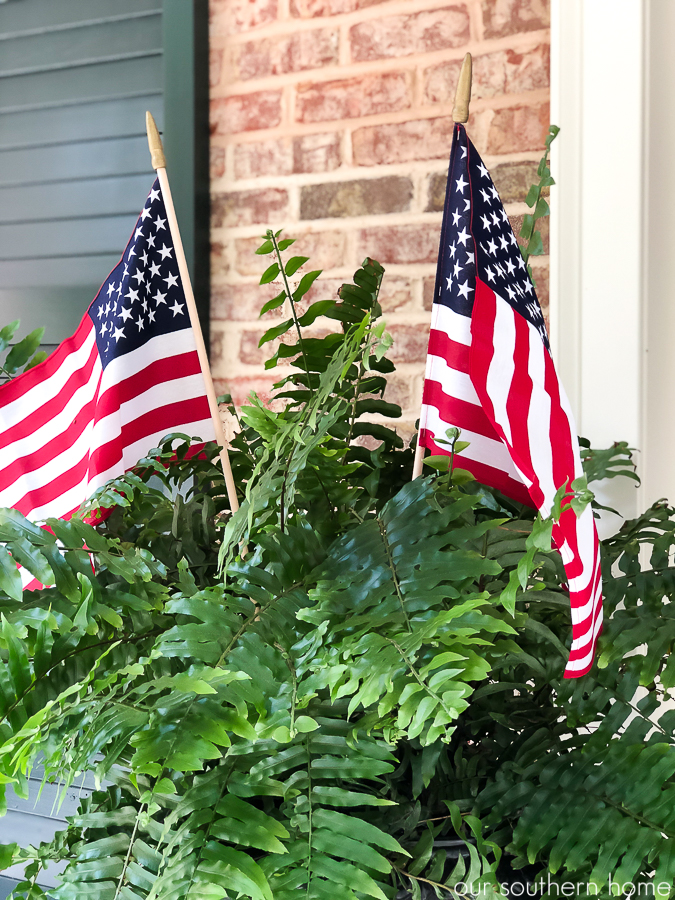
37,819
76,77
75,81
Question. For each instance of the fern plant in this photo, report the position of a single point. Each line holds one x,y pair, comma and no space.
366,701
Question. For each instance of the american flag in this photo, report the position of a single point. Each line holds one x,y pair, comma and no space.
106,396
490,373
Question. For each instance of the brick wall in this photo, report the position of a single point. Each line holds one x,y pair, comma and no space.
332,119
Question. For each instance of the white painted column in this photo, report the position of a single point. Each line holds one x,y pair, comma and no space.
658,462
597,223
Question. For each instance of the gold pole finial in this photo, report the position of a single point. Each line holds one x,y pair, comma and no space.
460,111
154,143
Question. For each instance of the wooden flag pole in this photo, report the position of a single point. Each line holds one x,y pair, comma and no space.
460,113
159,164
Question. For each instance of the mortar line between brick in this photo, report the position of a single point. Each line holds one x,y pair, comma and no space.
346,68
358,173
346,172
395,9
346,223
436,111
376,11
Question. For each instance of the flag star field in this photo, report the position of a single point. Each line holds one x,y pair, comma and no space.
482,242
142,297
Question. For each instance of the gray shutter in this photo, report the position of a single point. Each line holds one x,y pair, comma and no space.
75,80
76,77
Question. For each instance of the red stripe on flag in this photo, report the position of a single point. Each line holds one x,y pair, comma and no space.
458,412
454,354
162,371
20,385
482,472
47,412
58,486
518,408
560,434
482,347
171,415
58,445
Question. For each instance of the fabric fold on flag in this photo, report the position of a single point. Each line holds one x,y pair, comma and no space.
107,395
490,373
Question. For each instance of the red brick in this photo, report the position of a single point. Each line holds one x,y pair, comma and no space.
215,66
436,186
399,391
518,128
367,196
325,249
543,226
234,16
243,302
421,32
410,343
502,17
265,206
420,139
249,352
241,387
289,53
395,294
428,288
353,97
219,263
541,278
216,348
252,160
217,162
312,9
513,180
494,74
317,152
529,71
245,112
399,243
322,289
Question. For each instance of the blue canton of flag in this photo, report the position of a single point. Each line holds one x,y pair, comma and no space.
479,238
142,297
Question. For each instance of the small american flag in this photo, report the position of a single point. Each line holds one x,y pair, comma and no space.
106,396
490,373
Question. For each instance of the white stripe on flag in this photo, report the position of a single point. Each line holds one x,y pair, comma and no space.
65,503
456,326
454,383
109,428
45,391
175,343
139,450
481,449
574,665
502,366
60,424
585,549
539,421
